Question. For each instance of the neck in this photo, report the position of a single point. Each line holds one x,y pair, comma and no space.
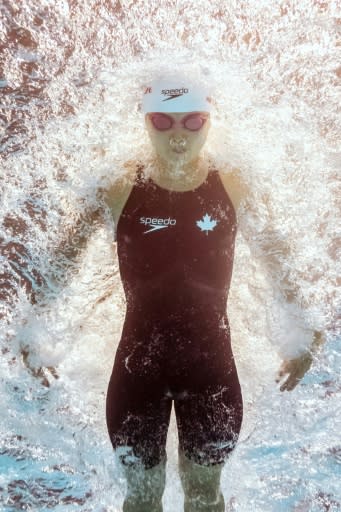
179,173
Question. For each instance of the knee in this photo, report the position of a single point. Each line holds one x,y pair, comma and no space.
198,480
145,486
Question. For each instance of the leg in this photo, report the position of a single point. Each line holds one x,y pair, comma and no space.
201,485
138,415
145,488
208,425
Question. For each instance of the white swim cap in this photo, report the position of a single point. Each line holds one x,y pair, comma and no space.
176,94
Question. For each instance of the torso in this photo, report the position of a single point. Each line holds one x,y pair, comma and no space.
175,250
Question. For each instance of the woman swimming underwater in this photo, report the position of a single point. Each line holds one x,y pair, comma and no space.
176,233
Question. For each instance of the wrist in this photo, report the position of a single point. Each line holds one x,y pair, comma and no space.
294,335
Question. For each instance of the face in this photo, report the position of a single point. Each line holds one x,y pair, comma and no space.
178,136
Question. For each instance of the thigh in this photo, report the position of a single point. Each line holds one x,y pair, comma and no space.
209,420
138,414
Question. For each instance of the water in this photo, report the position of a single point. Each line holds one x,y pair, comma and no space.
72,75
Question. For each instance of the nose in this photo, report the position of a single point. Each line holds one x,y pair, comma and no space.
178,142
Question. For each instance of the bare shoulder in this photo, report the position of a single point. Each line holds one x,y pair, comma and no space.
117,194
235,186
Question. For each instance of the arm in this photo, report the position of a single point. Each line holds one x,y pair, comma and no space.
75,236
21,272
19,269
109,203
75,233
274,252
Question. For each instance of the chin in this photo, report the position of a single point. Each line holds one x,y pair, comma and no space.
185,157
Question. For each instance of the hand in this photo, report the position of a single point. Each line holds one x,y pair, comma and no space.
296,368
42,372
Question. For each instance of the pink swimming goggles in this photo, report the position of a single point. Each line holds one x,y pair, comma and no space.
192,122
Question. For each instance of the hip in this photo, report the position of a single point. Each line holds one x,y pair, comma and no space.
176,354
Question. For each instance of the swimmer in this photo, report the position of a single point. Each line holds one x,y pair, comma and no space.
175,230
176,233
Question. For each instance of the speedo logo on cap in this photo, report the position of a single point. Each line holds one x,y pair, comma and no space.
156,223
174,93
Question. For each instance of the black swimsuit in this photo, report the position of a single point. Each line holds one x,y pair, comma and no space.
175,252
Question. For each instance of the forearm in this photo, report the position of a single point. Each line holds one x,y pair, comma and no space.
301,335
296,329
75,236
276,260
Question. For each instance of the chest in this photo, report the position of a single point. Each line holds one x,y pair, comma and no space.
166,223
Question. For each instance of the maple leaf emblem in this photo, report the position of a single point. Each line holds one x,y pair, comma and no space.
206,224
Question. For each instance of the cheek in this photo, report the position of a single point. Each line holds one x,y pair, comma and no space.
160,142
156,138
197,141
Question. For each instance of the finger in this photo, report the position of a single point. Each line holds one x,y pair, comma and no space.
290,383
53,372
284,386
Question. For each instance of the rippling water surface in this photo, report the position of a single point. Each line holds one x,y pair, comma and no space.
71,78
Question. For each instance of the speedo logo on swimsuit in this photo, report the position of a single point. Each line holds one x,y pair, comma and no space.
156,223
174,93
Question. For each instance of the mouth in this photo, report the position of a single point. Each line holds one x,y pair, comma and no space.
179,150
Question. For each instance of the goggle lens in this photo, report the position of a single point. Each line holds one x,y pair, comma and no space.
163,122
194,123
